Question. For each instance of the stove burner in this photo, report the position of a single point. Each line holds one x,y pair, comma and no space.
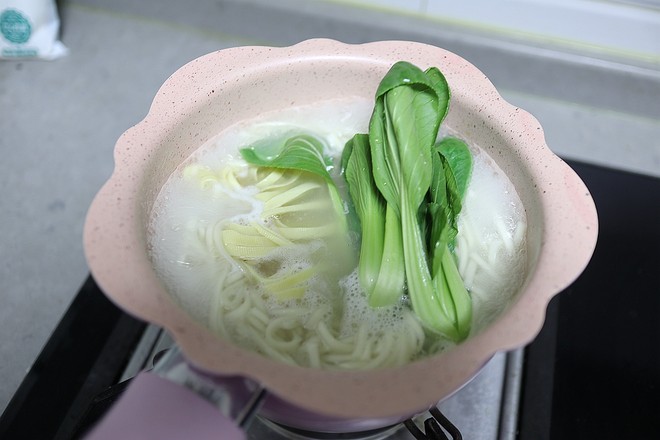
287,432
435,428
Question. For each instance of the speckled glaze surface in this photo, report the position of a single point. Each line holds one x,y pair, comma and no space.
224,87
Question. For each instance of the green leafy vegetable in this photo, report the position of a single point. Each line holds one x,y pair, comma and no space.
459,160
381,255
299,207
407,193
455,162
422,185
452,167
300,152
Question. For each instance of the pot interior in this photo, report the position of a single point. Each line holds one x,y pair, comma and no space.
266,90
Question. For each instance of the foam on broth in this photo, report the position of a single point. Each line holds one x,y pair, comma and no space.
332,326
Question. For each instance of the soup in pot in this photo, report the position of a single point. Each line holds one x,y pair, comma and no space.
255,252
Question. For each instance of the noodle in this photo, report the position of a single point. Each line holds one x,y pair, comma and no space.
254,243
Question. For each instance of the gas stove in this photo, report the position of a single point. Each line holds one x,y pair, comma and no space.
592,372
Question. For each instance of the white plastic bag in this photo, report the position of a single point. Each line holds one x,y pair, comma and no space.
30,29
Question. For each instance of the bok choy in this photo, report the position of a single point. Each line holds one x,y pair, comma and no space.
381,249
398,169
301,204
301,152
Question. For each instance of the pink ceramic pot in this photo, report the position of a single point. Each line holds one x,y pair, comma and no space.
219,89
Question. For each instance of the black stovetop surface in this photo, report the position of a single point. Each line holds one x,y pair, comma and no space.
593,371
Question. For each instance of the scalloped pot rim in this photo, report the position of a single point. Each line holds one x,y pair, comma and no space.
213,91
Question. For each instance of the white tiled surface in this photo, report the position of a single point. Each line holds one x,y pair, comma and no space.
59,121
580,23
606,27
411,6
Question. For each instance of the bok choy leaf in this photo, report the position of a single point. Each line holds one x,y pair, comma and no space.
296,213
453,166
301,152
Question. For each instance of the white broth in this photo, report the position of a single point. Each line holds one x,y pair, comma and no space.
329,323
